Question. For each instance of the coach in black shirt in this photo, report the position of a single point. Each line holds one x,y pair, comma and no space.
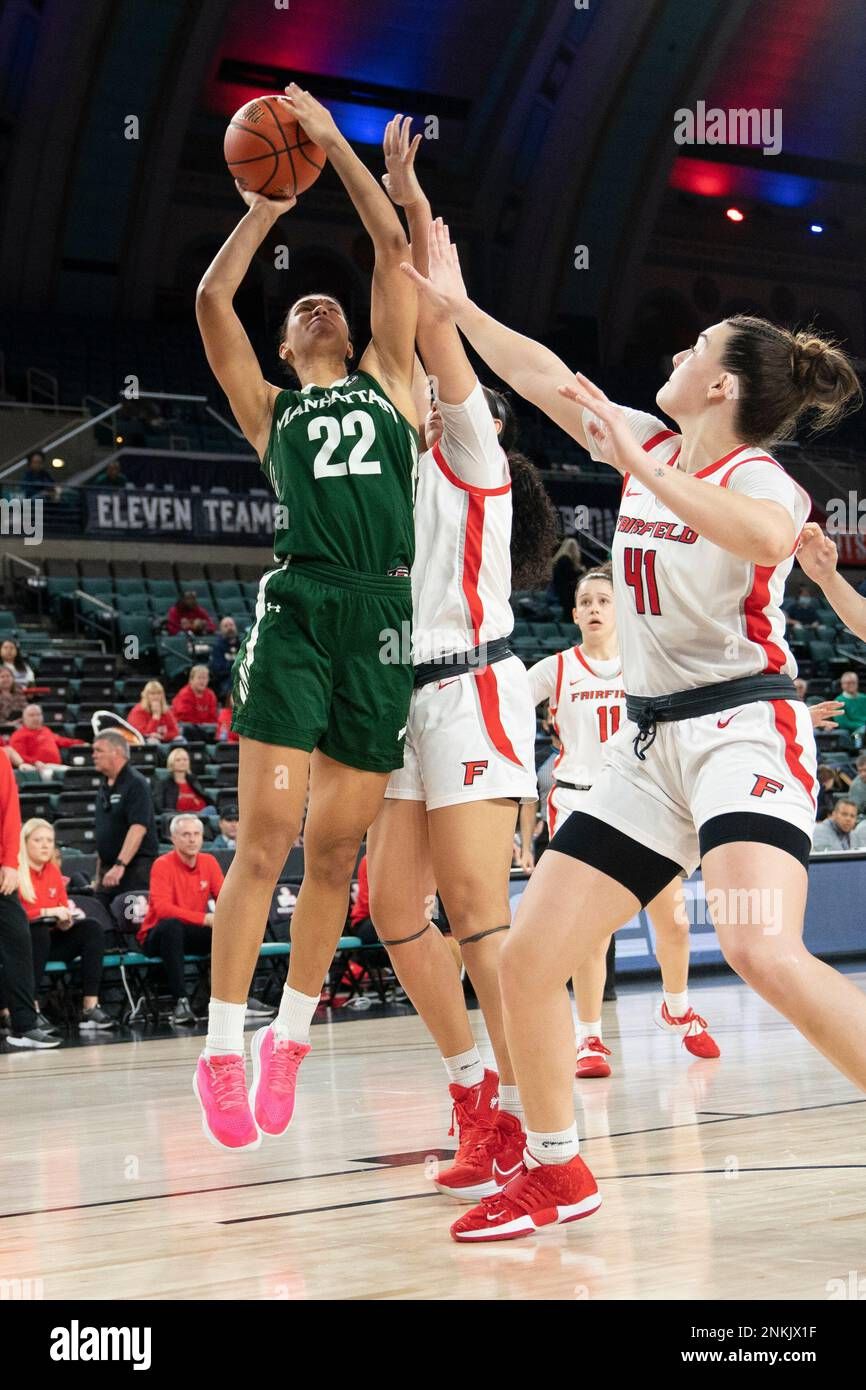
126,839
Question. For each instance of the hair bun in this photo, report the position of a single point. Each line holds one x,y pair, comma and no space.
813,365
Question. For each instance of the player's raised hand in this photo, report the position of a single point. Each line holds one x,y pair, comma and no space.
823,715
401,181
816,554
276,206
314,119
608,429
443,286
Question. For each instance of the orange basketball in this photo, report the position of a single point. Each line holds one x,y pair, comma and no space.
267,151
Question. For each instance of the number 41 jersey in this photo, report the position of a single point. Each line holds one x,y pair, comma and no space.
343,462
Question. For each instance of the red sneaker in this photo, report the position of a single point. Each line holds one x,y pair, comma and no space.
549,1195
590,1058
475,1112
691,1028
508,1150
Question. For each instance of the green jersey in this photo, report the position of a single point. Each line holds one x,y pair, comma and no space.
343,462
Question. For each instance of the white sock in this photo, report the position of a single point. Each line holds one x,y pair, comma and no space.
678,1004
295,1015
509,1101
225,1028
466,1069
559,1147
588,1030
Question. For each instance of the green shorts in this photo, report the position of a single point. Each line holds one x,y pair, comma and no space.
326,664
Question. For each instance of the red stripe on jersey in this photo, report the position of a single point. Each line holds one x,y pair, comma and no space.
488,696
657,439
560,671
560,668
786,727
473,542
720,463
761,458
467,487
551,815
758,627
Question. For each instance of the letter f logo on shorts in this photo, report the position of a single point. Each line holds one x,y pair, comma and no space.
765,784
473,769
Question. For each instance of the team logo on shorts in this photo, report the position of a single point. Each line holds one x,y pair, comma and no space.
765,784
472,769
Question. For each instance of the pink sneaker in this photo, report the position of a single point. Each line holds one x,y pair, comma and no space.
220,1084
275,1074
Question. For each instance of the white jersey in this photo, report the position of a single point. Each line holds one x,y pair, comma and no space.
587,706
689,613
461,578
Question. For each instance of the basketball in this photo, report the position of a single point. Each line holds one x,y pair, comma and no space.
267,151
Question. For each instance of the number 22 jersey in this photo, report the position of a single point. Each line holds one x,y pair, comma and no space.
343,463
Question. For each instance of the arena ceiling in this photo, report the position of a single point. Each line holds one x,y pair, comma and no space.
555,130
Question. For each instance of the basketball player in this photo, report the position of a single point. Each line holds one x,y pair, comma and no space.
583,687
449,815
716,762
312,698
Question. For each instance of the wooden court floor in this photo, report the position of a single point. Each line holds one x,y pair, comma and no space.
739,1178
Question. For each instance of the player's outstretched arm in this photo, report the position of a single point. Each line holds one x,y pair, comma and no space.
759,530
394,304
229,350
439,342
818,557
530,369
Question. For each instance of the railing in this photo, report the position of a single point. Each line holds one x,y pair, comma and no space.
43,383
11,464
33,577
102,621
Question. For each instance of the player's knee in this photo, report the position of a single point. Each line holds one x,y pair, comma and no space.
263,857
331,861
471,909
764,964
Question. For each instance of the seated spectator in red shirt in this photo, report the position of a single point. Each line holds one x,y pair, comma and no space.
180,791
362,922
194,703
59,929
224,731
184,887
153,717
36,743
187,615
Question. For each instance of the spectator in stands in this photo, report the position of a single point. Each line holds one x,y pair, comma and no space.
828,785
180,791
126,841
857,787
803,612
362,923
568,566
194,703
224,731
38,745
11,698
184,887
59,930
12,657
16,951
36,477
187,615
222,655
840,830
801,687
111,476
153,717
853,716
228,836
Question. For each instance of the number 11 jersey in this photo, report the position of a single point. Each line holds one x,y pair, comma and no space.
343,463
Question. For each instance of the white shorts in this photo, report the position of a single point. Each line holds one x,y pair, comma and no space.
560,804
757,758
470,738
